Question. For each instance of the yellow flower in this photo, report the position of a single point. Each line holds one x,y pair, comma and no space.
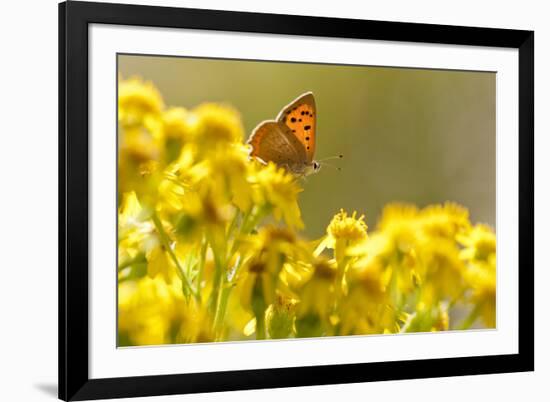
482,279
139,104
293,276
194,197
399,222
229,170
348,228
397,242
367,307
216,126
347,236
480,255
442,271
140,136
176,123
278,190
177,131
147,309
276,246
179,180
195,325
137,234
480,243
159,263
444,220
396,213
153,312
134,230
266,253
138,145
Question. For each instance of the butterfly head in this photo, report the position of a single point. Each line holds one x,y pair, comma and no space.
311,168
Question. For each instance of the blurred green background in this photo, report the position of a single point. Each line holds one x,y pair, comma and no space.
414,135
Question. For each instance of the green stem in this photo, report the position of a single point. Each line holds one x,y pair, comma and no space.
260,326
213,298
221,287
219,270
165,240
241,231
202,262
223,298
232,225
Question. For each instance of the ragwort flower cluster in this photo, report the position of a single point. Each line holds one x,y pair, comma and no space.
209,247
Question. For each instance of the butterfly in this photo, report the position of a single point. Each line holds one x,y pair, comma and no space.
289,141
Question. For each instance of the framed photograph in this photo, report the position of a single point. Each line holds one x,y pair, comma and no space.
256,200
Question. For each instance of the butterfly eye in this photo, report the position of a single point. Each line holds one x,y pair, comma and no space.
316,165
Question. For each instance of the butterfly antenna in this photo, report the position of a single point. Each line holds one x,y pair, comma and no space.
331,166
331,157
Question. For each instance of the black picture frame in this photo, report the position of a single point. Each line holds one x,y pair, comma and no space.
74,19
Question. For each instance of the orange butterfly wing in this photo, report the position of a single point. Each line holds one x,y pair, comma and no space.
300,116
273,141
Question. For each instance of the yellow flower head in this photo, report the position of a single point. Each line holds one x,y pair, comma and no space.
482,279
140,146
275,247
140,136
480,256
367,307
196,194
396,214
176,123
399,230
154,312
273,234
442,271
147,310
444,220
195,325
480,243
138,102
349,228
278,190
369,274
216,126
228,173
